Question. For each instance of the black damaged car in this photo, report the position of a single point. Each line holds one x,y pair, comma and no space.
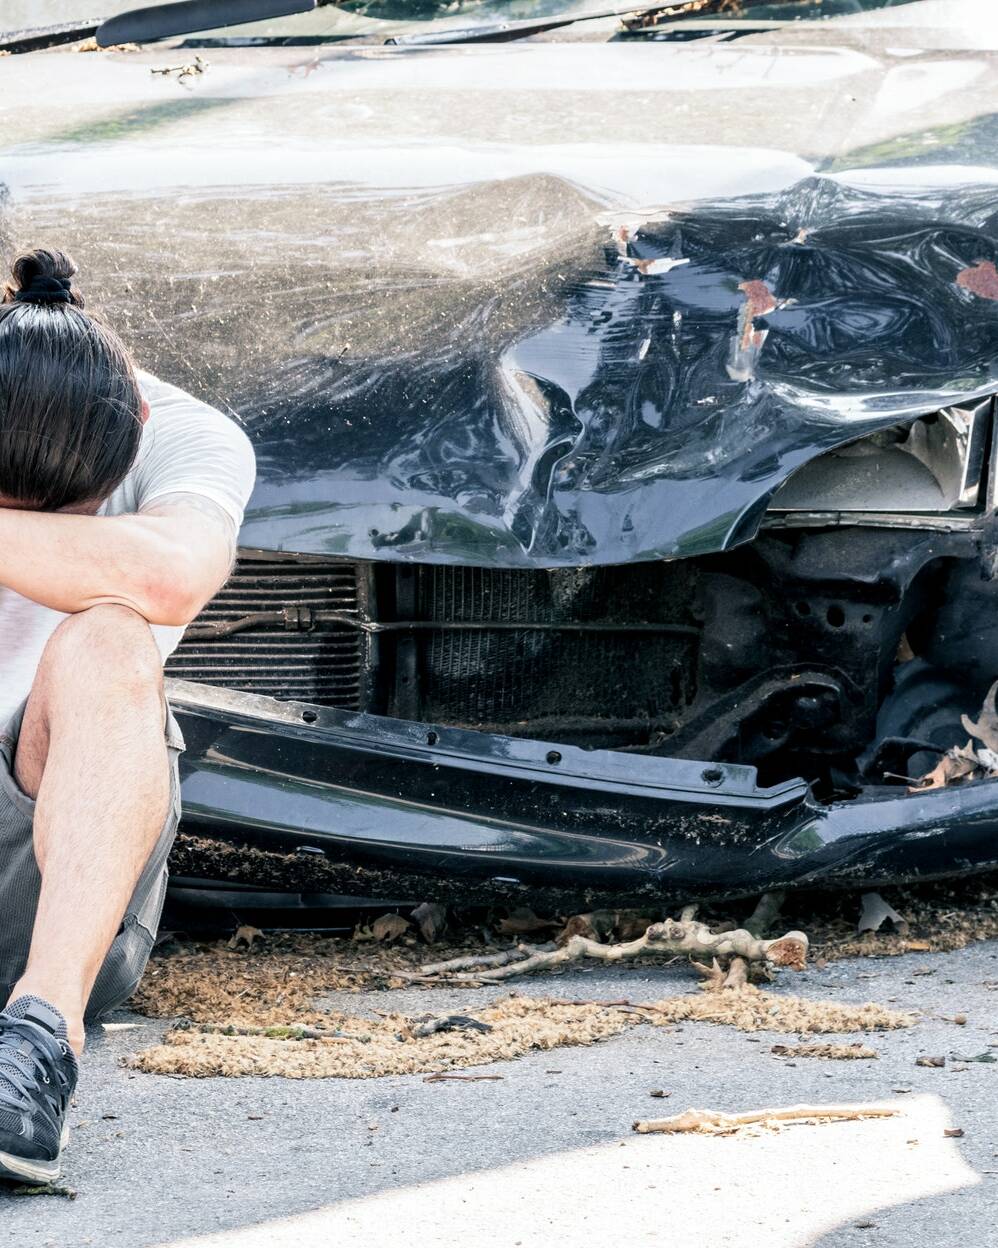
622,391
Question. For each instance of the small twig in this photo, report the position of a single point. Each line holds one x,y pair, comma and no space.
463,1078
465,981
472,960
279,1032
710,1122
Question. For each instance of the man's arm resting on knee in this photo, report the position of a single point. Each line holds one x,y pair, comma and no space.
165,562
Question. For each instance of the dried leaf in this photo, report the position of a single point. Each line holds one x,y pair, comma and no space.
245,937
431,917
876,912
986,728
953,1133
925,1060
631,924
389,928
597,925
955,764
980,279
521,921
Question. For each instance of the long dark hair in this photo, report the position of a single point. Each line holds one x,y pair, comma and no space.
70,406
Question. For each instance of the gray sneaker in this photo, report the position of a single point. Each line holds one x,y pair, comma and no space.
38,1073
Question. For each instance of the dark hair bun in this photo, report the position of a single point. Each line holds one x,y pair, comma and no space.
42,276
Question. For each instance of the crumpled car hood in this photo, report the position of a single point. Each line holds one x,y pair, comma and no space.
564,306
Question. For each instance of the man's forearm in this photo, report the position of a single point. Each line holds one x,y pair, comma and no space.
72,562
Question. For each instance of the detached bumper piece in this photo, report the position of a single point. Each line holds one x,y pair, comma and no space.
406,801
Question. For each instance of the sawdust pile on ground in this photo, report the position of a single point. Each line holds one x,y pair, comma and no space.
216,987
833,1052
753,1009
277,979
367,1048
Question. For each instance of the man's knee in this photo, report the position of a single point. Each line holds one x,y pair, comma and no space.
110,645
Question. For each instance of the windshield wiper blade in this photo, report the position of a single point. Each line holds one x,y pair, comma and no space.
501,32
163,21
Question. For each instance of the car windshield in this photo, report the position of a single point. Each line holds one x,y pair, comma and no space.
393,18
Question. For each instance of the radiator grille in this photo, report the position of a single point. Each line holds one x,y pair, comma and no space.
522,679
323,664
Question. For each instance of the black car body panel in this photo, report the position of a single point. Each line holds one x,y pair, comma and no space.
449,812
556,359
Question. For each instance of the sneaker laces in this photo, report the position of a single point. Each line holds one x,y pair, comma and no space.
24,1067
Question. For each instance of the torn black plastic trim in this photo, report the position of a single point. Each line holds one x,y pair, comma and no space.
379,798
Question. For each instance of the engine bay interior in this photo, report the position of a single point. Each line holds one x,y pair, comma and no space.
842,644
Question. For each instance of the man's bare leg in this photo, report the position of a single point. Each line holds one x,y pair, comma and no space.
93,754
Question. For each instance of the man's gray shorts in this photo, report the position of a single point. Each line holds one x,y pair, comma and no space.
20,881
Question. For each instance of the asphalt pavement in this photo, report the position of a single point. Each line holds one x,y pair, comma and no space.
545,1156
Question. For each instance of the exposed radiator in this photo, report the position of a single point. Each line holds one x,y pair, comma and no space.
605,656
587,652
278,647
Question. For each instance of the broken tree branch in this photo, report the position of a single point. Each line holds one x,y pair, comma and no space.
671,936
710,1122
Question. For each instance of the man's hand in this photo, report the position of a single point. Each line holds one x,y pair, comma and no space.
165,562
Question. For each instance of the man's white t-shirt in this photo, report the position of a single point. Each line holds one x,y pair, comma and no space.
187,447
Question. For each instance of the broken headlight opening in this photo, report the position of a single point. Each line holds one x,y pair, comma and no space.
934,465
840,646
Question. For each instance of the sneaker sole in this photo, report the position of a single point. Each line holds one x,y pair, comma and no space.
12,1167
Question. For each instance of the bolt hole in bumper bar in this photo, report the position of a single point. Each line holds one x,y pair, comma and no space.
439,803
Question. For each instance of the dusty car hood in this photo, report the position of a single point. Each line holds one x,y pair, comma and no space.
439,286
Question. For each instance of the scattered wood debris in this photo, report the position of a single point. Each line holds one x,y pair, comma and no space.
463,1078
941,916
255,1014
710,1122
384,1046
191,70
672,936
91,45
833,1052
